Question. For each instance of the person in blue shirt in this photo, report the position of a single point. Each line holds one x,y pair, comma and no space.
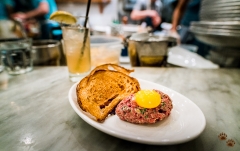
185,12
4,9
40,10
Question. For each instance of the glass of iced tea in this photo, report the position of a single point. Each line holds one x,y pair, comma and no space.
76,43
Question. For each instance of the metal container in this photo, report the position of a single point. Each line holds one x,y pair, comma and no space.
217,39
220,10
46,52
10,30
216,25
148,50
225,57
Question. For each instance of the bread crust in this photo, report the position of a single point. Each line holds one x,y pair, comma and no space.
101,91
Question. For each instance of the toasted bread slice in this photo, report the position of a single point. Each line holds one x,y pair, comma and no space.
101,91
112,67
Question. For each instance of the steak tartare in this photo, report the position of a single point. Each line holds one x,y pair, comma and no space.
128,110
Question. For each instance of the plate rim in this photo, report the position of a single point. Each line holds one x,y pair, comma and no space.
99,126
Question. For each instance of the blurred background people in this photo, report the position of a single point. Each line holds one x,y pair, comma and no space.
32,12
4,7
148,11
125,8
167,10
7,28
185,12
29,9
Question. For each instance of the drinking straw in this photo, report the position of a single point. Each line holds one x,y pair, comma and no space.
85,26
87,12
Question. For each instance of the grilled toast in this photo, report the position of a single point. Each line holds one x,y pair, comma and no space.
101,91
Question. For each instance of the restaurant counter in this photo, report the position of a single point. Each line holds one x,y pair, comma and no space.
35,113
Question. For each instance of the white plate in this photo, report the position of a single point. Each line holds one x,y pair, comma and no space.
185,123
184,58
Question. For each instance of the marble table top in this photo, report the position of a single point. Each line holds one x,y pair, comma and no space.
35,114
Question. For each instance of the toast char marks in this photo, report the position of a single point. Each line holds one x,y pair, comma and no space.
101,91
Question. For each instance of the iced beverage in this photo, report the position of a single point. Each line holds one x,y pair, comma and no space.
77,50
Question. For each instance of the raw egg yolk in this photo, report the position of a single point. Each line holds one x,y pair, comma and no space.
148,98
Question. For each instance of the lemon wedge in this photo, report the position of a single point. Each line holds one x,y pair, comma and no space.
63,17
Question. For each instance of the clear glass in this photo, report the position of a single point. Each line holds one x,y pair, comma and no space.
76,41
16,55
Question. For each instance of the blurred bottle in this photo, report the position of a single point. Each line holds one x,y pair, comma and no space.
116,28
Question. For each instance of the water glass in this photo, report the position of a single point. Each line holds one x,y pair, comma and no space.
16,55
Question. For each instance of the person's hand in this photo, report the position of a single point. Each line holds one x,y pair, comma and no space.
19,16
156,19
174,33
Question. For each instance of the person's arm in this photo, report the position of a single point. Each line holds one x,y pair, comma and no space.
42,9
138,14
178,13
